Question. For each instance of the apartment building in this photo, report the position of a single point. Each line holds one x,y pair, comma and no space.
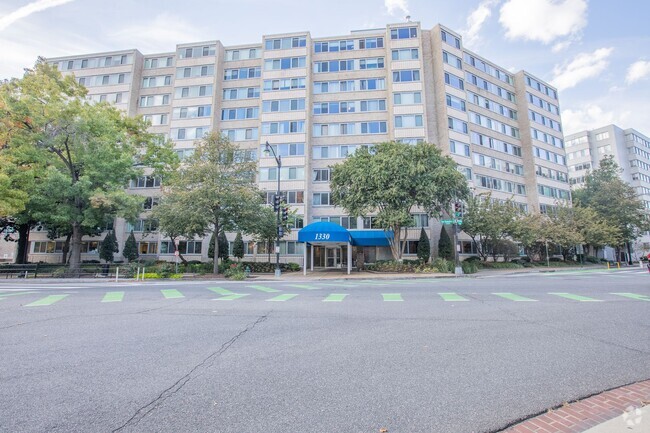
318,100
631,151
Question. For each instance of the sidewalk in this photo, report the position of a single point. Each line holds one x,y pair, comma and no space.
620,410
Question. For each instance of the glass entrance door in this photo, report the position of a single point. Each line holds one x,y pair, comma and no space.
333,257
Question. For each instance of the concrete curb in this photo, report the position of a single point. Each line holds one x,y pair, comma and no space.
612,411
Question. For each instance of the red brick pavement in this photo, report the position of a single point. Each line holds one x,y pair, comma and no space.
581,415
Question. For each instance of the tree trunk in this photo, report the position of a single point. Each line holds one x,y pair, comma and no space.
215,259
268,248
66,249
23,243
74,266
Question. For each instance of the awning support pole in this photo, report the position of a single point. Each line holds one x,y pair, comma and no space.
304,268
349,257
312,258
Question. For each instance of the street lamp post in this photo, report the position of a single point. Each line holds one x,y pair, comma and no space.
268,150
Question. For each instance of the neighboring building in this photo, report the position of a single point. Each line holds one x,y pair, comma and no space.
631,151
318,100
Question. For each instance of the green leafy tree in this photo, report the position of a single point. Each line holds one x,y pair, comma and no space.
238,247
216,185
223,246
130,251
530,231
424,247
445,247
614,200
108,247
175,221
91,151
488,221
392,181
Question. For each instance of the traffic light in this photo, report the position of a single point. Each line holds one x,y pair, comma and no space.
277,200
458,210
280,232
285,213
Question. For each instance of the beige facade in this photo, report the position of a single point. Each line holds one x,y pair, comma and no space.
319,99
630,150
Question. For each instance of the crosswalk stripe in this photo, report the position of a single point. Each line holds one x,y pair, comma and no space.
6,295
303,286
48,300
452,297
392,297
514,297
283,297
335,297
231,297
220,291
171,294
113,297
264,289
576,297
633,296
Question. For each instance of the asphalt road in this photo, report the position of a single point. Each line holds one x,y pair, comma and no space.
444,355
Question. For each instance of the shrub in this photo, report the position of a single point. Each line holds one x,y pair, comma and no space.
424,248
592,259
472,259
151,276
176,276
469,267
501,265
445,248
555,259
443,265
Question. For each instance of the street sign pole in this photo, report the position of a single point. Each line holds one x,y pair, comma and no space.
458,268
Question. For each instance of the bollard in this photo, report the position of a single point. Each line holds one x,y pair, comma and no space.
608,265
143,273
117,274
618,265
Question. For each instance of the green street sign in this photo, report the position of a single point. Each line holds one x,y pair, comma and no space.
458,221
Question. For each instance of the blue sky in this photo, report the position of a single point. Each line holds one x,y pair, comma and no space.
597,52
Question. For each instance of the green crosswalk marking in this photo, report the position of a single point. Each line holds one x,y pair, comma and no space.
113,297
514,297
48,300
335,297
172,294
264,289
282,298
576,297
303,286
634,296
452,297
220,291
392,296
231,297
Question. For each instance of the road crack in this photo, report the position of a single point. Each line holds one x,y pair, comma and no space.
145,410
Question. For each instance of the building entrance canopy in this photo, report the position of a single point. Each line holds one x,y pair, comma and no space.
327,233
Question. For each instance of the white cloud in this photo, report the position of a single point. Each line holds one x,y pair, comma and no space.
475,22
583,66
160,34
28,9
561,46
637,71
543,20
592,116
393,6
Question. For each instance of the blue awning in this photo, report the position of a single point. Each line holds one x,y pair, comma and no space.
324,232
371,238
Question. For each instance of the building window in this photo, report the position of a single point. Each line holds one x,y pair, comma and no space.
404,33
321,199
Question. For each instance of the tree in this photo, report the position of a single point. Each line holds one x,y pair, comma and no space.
223,246
238,247
91,151
614,200
530,231
393,180
130,251
109,247
424,247
487,221
445,247
174,220
216,186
